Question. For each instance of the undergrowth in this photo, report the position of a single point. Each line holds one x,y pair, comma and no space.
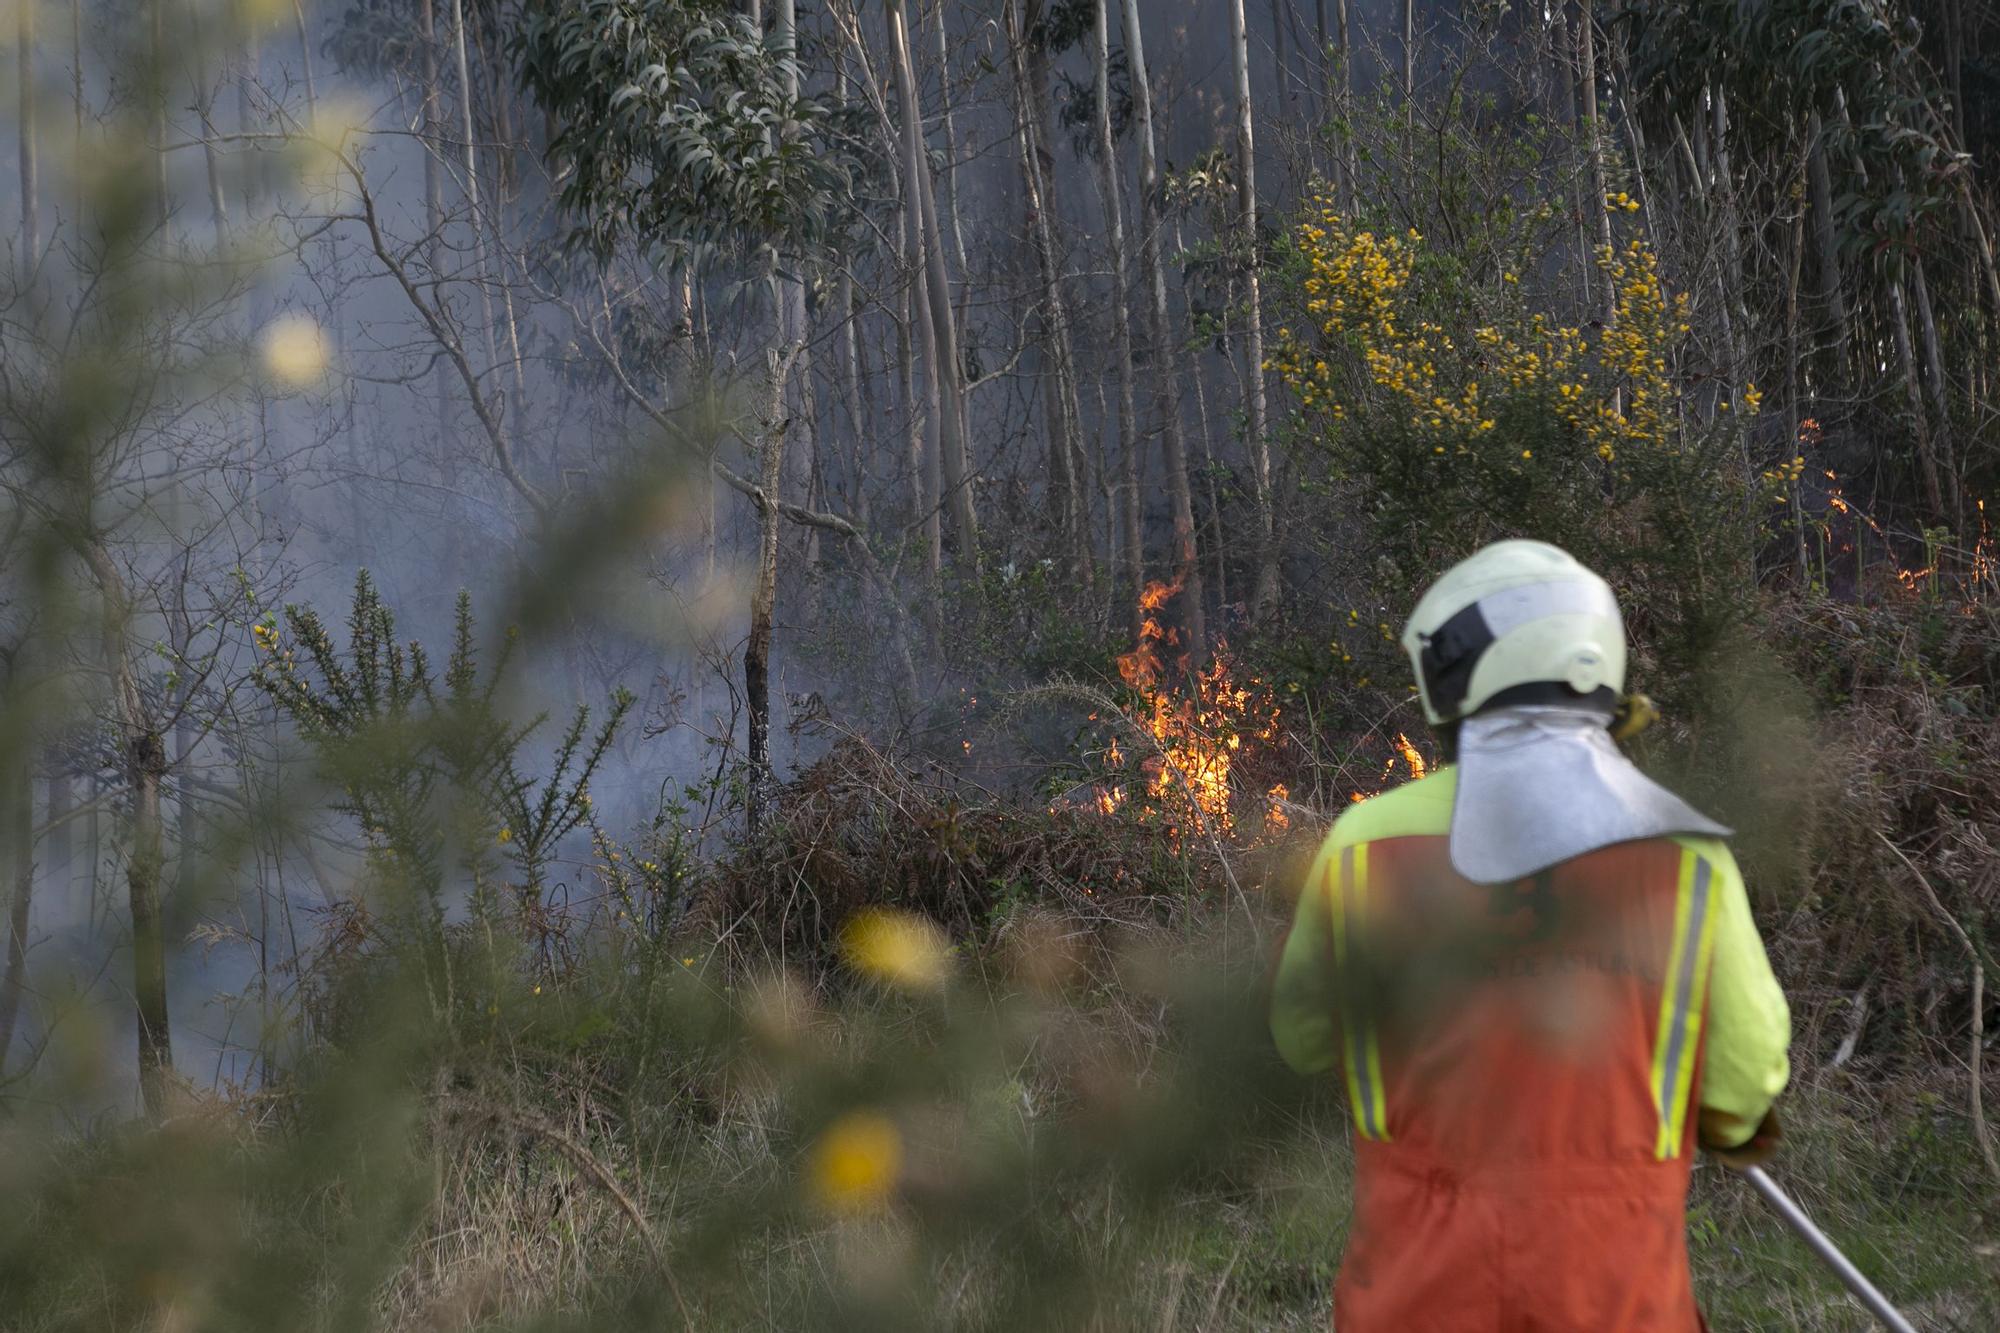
923,1055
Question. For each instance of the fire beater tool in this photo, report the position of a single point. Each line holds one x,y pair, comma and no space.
1843,1268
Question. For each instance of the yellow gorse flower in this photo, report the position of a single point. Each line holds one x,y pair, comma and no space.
854,1165
1609,386
294,351
899,948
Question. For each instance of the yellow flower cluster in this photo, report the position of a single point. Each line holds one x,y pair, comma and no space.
853,1166
1633,352
900,948
1610,387
1778,480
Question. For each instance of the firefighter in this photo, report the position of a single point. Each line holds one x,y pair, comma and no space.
1538,974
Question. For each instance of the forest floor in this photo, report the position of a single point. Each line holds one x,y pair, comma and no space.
1092,1132
1059,1101
1258,1247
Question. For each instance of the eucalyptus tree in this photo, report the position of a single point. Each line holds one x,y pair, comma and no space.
1832,107
1061,406
933,297
1256,410
126,499
1121,317
1165,358
684,133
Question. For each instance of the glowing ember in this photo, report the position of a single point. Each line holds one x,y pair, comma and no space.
1912,580
1402,748
1275,818
1411,757
1983,566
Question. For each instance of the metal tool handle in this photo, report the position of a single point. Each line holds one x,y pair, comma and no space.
1795,1216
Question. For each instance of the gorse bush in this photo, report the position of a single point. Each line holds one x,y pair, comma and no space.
1451,412
451,812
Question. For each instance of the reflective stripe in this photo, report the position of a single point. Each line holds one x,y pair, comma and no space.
1360,1052
1682,1003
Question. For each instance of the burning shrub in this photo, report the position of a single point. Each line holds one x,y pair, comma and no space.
859,832
1196,734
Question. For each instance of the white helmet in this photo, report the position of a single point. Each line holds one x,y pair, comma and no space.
1516,622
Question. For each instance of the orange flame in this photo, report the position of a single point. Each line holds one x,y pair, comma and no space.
1275,818
1911,579
1198,730
1402,748
1411,757
1983,566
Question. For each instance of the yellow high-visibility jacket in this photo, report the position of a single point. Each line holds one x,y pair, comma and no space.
1522,1061
1746,1029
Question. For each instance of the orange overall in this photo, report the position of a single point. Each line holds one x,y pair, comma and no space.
1521,1063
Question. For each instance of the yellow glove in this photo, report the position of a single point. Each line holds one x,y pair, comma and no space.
1635,713
1756,1150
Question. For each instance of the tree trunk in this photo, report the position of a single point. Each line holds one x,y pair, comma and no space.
143,761
935,296
1209,470
1121,321
764,594
913,334
1061,409
1819,182
1325,90
794,331
850,361
20,805
145,765
1351,151
1934,377
1166,382
859,436
31,225
1409,53
1982,245
501,136
432,127
204,107
1906,361
1792,412
1265,591
1278,69
62,800
305,58
480,272
252,177
1586,44
1738,327
157,53
950,145
76,80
